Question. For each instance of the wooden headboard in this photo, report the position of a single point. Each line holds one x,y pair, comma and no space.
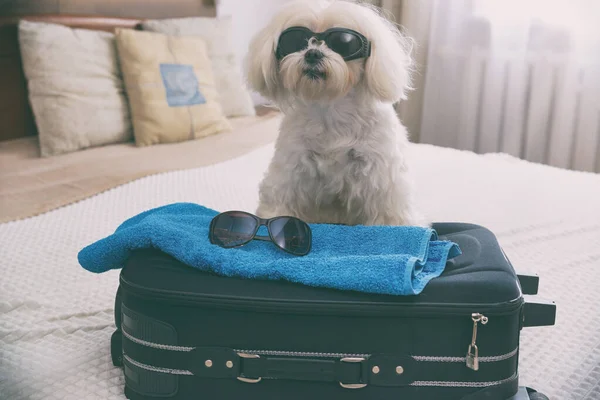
16,117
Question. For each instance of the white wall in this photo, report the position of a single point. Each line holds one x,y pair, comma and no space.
248,17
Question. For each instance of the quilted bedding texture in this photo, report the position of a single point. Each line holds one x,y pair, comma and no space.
56,318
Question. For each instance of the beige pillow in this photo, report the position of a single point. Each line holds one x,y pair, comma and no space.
170,86
75,87
217,32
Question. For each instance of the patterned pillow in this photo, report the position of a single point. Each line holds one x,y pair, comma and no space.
171,88
216,32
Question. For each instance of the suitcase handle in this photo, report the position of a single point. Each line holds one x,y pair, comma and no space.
529,283
538,312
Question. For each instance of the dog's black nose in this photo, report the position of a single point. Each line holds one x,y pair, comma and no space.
313,56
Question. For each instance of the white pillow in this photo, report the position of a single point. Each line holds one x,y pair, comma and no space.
234,98
75,87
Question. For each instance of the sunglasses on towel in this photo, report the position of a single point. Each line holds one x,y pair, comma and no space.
347,43
237,228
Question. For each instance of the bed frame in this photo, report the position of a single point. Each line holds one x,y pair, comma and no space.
16,117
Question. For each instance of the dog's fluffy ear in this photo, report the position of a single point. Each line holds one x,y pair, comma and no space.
261,64
388,69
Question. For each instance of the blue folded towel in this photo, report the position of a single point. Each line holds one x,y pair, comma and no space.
397,260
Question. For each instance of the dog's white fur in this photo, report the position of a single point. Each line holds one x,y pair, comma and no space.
340,155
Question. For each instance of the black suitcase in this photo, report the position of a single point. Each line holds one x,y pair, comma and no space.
186,334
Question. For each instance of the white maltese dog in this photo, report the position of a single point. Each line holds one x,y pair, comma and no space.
334,69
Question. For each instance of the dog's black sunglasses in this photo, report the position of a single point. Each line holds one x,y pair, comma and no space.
237,228
347,43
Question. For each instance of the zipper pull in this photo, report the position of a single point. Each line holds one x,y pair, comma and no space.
473,351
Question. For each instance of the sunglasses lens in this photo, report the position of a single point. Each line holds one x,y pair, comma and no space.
344,43
293,41
233,229
291,234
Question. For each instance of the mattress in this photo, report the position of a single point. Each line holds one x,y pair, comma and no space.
31,185
56,318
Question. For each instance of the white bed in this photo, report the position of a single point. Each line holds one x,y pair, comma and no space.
56,318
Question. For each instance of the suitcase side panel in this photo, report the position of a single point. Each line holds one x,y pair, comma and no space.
437,345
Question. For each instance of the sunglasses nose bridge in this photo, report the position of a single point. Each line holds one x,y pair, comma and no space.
263,221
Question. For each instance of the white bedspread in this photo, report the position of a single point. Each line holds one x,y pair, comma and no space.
56,318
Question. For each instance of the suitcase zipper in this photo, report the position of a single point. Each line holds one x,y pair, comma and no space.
501,357
473,350
301,354
277,353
